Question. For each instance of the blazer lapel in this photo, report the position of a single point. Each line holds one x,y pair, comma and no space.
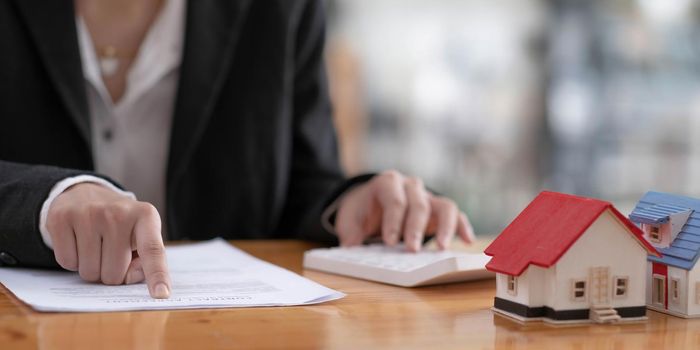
211,34
52,27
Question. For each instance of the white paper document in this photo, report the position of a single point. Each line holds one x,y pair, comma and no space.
211,274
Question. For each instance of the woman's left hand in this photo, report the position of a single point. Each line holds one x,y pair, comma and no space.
396,206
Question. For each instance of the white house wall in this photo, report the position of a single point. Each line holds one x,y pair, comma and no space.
681,304
522,293
539,291
530,287
693,278
605,244
686,304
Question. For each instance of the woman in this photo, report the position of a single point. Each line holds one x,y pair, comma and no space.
214,114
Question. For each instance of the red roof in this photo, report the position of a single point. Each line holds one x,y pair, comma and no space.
546,229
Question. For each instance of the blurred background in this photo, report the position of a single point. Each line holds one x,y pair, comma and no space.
492,101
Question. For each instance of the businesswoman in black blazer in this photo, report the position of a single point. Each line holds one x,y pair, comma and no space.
212,115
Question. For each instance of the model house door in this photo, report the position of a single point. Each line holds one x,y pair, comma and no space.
658,291
599,277
659,285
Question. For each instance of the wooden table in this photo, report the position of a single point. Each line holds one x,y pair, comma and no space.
371,316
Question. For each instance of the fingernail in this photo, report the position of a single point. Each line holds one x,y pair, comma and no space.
161,291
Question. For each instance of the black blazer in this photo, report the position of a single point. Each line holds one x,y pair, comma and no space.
253,151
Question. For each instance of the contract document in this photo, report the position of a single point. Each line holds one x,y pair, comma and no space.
210,274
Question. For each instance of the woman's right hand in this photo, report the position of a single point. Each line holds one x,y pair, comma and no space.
108,238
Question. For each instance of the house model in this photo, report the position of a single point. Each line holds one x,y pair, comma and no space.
569,259
672,224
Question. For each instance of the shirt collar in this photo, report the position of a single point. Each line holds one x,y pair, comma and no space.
159,54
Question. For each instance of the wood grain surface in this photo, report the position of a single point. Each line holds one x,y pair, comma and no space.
372,316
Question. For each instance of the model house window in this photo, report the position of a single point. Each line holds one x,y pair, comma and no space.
578,290
620,286
512,285
654,234
675,289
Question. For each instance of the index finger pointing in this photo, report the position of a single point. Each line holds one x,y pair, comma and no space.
149,244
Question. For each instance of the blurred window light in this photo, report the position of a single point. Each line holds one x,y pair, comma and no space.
492,101
665,11
570,111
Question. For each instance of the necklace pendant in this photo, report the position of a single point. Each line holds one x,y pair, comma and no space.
109,65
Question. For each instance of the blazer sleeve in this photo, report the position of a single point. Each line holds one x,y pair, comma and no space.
23,190
315,168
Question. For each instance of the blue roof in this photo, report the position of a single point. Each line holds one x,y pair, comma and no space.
655,207
655,214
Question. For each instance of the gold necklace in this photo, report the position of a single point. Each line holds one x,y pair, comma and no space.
109,61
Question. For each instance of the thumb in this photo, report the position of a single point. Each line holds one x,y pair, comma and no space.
351,224
134,274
